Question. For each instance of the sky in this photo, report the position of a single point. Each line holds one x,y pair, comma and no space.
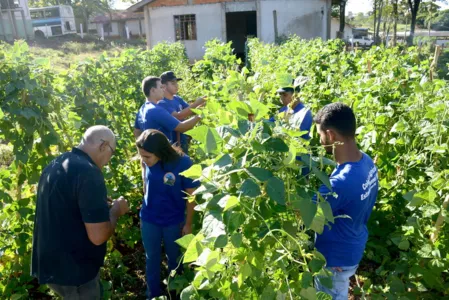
365,6
354,6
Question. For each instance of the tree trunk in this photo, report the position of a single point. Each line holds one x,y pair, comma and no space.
375,18
379,19
395,22
414,8
341,32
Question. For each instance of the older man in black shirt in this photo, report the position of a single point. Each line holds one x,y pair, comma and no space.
73,220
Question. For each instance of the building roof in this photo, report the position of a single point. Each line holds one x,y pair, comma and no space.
117,16
139,5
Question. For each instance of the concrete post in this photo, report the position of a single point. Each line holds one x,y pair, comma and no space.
127,32
102,32
146,10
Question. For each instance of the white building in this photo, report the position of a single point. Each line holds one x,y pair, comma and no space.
335,28
114,24
15,20
194,22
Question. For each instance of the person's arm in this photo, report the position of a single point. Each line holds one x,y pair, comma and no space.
187,112
137,133
99,233
137,130
98,219
187,229
187,125
142,164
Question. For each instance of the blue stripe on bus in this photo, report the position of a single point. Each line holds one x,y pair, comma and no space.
43,22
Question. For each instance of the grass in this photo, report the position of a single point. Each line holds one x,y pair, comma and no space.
66,50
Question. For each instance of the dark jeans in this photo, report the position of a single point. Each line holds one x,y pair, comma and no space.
152,236
91,290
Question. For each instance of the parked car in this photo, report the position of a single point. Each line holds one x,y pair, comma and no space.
363,41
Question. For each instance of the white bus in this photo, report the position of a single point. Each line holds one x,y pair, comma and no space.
53,21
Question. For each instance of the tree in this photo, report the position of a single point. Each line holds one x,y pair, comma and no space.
414,6
441,22
342,18
395,24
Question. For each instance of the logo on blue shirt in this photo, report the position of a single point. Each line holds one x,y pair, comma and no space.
169,179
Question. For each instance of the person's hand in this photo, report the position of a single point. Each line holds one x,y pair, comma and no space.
187,229
199,102
120,206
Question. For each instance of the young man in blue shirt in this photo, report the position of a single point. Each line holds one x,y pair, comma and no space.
355,183
152,116
176,106
298,114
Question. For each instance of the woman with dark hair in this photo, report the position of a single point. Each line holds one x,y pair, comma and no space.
164,206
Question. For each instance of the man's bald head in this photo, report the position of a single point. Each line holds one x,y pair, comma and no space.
99,143
98,134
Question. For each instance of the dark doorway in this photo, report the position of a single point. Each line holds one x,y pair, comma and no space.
240,26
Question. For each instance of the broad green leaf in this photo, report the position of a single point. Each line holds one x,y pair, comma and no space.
236,239
316,265
306,279
250,188
308,210
223,161
276,145
276,190
194,249
245,272
185,241
221,241
308,293
189,293
213,225
268,293
318,222
194,172
231,202
327,211
322,177
284,80
404,245
259,174
1,114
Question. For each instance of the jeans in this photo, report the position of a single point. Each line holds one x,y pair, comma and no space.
340,283
152,236
92,290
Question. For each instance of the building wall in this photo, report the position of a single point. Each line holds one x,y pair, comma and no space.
118,29
134,28
305,18
209,25
113,33
24,28
335,27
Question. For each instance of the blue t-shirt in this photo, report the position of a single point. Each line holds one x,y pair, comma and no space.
165,199
302,118
175,105
151,116
356,184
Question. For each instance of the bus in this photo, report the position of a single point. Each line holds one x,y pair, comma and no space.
53,21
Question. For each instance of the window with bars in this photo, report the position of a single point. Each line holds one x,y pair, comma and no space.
185,27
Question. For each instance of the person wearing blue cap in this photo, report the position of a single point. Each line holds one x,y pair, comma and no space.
299,115
152,116
176,106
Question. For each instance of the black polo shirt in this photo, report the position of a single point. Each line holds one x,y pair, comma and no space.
71,192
